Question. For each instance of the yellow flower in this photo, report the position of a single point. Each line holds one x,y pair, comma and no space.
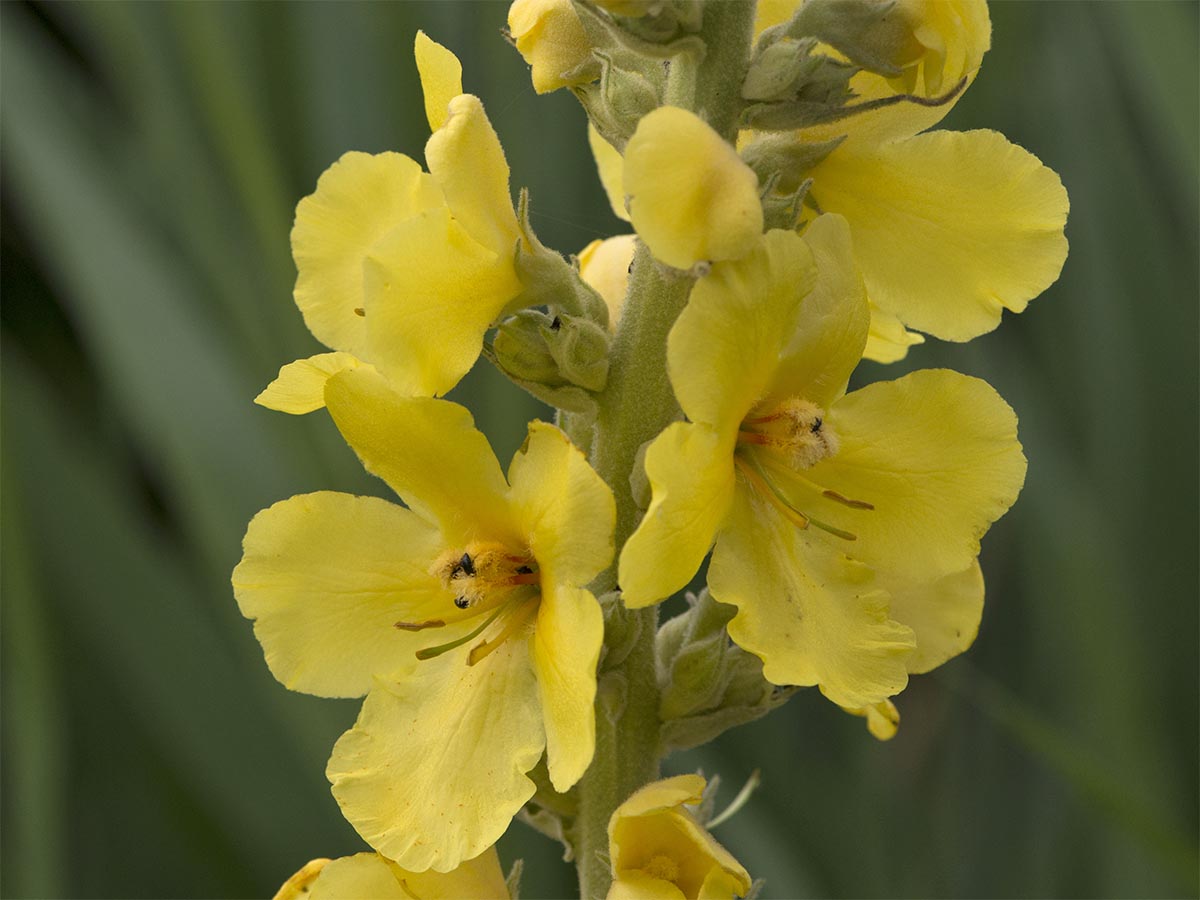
406,269
690,196
950,228
604,265
660,852
551,39
462,618
846,526
369,875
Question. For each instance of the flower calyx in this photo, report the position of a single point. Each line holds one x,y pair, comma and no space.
559,358
707,683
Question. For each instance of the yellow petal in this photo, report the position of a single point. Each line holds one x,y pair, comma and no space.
358,200
566,649
937,455
476,879
637,885
357,877
832,326
434,769
326,576
721,884
724,348
883,719
300,387
551,39
367,876
773,12
949,228
944,615
691,197
690,467
811,614
428,452
441,78
431,293
300,884
604,265
888,340
465,158
564,509
611,168
659,795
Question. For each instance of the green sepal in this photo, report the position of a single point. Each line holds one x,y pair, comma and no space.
707,683
560,359
548,278
782,163
871,34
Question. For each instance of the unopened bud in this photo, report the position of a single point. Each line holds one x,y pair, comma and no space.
550,37
707,683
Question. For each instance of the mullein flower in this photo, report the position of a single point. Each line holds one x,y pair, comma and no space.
388,254
369,875
846,526
462,618
950,228
659,850
550,37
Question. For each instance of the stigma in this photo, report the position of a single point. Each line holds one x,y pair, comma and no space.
795,428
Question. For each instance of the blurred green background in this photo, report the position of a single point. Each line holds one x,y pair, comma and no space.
151,158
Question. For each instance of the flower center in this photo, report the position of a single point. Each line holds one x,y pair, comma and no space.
792,435
484,572
795,429
500,584
662,867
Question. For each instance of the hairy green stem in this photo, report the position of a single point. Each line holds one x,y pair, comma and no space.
636,404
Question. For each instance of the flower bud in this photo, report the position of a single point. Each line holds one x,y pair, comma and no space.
560,359
549,36
707,683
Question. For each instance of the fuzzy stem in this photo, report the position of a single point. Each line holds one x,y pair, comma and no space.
636,405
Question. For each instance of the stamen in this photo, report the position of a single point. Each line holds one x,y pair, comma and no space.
836,532
794,516
431,652
515,621
846,501
420,626
525,577
826,492
754,437
763,420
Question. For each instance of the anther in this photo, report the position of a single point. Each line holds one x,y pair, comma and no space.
846,501
462,602
359,311
420,626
